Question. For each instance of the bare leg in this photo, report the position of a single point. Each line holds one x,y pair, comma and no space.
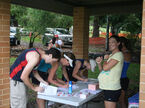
122,99
40,103
109,104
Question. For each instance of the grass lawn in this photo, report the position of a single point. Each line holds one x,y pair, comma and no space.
27,39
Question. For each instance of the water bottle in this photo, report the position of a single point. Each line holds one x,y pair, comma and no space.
70,87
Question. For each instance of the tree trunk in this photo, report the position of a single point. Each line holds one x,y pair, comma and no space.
107,34
32,39
112,30
96,27
30,45
31,42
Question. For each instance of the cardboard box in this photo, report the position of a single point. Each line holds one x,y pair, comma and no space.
93,86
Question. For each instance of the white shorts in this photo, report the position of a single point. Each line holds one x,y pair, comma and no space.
18,94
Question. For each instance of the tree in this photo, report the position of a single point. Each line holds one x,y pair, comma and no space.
36,21
63,21
133,23
96,27
39,20
19,13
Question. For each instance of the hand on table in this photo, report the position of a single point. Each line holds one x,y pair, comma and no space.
73,82
38,89
85,80
45,82
65,86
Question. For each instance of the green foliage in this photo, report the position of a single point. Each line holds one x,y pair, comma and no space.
63,21
126,22
27,39
12,60
132,23
20,14
133,74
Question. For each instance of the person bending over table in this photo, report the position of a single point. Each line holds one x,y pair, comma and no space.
22,70
110,73
43,70
66,60
76,71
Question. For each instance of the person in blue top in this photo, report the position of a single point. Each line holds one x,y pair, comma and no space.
124,79
48,72
43,71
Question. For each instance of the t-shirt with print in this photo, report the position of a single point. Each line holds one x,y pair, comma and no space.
110,80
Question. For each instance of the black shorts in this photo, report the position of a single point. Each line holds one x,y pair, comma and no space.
112,95
124,83
44,76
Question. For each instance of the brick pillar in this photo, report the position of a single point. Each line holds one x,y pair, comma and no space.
142,67
80,32
4,53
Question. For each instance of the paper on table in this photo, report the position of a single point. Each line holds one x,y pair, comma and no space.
48,89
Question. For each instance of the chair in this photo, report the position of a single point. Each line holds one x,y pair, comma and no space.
134,101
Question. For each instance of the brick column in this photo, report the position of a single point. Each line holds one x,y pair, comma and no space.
4,53
142,67
80,32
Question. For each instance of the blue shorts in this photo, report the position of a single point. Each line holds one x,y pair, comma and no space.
112,95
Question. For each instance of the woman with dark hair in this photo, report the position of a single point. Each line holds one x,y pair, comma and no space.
77,70
124,79
67,59
109,78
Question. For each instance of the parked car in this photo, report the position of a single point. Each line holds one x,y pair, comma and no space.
14,36
48,35
24,32
62,33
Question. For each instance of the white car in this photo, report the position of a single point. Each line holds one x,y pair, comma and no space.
14,39
62,34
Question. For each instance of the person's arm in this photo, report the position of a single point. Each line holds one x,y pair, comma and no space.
109,64
39,78
60,81
65,73
76,70
32,60
52,73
